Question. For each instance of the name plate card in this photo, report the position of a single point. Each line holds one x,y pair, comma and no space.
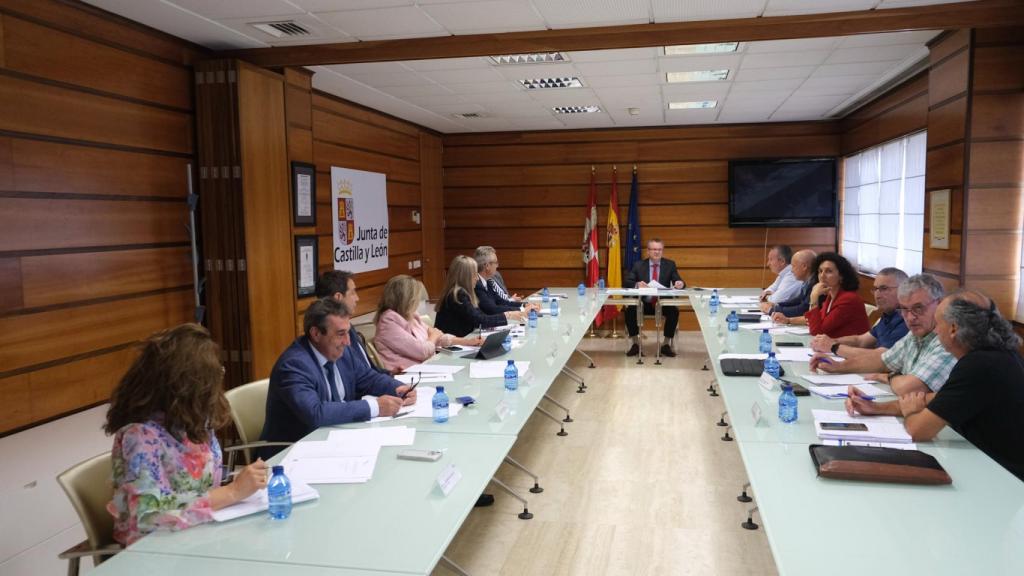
767,381
755,412
448,478
502,411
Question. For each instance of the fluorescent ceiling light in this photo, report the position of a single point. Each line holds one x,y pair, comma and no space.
535,83
697,75
695,105
576,109
716,48
534,58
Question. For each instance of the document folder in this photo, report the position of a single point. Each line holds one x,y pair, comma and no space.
872,464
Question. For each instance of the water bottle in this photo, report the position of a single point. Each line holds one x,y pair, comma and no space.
279,494
511,376
545,294
765,344
554,307
507,343
531,318
771,365
440,404
787,404
734,321
713,303
581,289
600,285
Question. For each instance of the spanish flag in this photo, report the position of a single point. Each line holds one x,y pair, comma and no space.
614,271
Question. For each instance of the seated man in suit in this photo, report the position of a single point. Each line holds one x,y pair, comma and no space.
794,308
786,285
495,283
489,295
314,383
341,286
662,270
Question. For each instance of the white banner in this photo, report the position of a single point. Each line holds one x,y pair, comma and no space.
359,204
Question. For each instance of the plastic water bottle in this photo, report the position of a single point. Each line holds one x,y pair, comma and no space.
545,294
734,321
713,303
600,285
771,365
787,404
554,307
279,494
440,403
511,376
581,289
507,343
765,343
531,319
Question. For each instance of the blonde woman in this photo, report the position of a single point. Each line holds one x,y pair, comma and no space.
402,339
458,309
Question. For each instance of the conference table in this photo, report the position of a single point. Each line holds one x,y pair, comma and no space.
816,525
400,521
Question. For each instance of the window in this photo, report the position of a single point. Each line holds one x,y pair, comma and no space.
883,206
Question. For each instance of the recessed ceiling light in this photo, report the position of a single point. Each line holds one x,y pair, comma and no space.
534,58
697,104
576,109
535,83
715,48
697,76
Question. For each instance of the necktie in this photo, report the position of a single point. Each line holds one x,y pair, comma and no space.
655,275
330,381
496,288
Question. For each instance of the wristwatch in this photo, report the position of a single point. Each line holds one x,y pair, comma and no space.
835,348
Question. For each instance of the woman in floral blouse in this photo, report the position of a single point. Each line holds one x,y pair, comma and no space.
167,462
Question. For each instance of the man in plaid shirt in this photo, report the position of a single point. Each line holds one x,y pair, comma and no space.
917,362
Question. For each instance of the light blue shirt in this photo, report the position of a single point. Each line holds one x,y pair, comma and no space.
320,361
786,286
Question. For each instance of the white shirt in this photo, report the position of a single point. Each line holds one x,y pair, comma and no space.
320,361
785,287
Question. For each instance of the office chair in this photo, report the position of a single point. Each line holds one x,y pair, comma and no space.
248,411
89,487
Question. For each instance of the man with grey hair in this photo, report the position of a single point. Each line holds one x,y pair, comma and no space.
315,384
786,285
488,294
889,329
801,264
983,399
917,362
495,283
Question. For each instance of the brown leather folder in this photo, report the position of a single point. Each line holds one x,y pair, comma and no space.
871,464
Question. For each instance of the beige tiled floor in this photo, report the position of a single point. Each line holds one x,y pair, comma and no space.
642,484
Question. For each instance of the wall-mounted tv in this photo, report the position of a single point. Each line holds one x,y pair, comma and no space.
783,192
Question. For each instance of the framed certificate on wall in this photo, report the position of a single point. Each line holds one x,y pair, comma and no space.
305,265
304,194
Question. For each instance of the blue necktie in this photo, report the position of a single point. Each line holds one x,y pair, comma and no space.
330,381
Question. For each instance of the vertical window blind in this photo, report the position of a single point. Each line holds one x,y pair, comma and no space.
883,206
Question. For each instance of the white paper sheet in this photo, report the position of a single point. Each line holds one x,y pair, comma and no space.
496,368
880,428
432,369
739,356
424,407
834,392
336,470
425,378
384,436
835,379
257,502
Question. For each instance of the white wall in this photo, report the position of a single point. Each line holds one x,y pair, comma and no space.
36,519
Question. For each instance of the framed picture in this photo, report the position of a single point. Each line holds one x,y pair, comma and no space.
304,193
305,265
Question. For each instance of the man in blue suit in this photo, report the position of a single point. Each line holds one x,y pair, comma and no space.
314,383
341,286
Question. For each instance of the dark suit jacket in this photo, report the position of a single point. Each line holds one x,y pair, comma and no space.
641,272
490,302
799,304
298,399
459,317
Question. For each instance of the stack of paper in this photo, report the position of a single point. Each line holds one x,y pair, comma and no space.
738,300
798,330
425,378
834,392
836,379
423,408
879,428
742,356
495,368
432,369
770,326
799,354
257,502
326,462
910,446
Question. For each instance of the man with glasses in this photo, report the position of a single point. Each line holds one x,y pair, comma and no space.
889,329
646,272
917,362
492,299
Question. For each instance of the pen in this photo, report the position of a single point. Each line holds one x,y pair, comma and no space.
414,385
823,359
845,395
401,414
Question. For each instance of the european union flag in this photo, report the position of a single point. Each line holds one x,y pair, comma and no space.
633,244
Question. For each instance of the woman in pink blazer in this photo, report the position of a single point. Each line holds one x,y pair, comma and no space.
402,339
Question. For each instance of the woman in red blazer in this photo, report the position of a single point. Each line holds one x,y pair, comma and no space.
836,308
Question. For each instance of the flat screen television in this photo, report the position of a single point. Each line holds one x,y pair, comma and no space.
783,192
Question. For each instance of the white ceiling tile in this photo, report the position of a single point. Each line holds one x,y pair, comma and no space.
796,116
754,74
784,59
463,76
613,55
488,124
418,90
389,79
911,37
872,53
368,68
694,91
628,80
701,116
521,71
811,102
218,9
181,23
789,7
534,110
319,31
427,100
485,16
548,122
384,23
698,62
853,69
475,88
836,84
686,10
592,120
447,64
762,85
623,93
793,45
757,100
519,97
454,108
336,5
618,68
583,13
728,115
565,97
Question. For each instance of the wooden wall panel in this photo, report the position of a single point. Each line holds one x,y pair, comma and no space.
902,110
432,212
97,114
526,194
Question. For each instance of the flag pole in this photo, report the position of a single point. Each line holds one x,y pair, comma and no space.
592,333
